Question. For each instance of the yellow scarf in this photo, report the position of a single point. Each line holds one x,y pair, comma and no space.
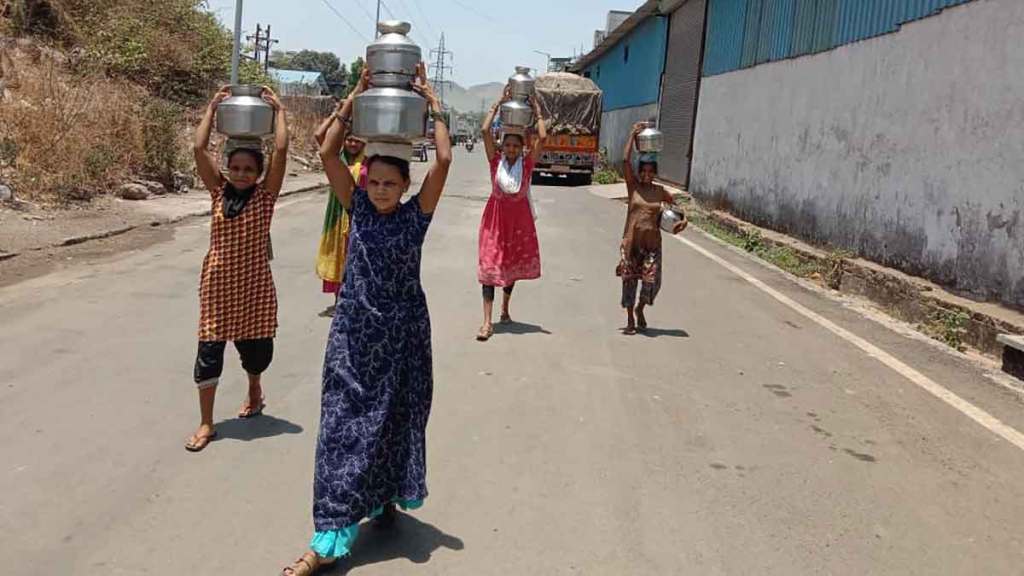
330,259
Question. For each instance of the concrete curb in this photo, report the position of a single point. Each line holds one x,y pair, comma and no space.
95,236
74,240
904,297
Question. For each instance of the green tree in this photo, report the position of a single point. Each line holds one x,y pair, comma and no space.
327,63
354,72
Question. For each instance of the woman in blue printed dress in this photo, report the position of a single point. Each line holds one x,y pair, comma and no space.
378,371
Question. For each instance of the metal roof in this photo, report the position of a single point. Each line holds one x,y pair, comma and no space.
650,8
295,76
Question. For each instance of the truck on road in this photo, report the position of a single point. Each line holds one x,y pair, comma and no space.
571,106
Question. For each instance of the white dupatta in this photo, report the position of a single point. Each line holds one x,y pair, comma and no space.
510,180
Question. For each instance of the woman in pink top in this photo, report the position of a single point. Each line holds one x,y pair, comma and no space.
509,251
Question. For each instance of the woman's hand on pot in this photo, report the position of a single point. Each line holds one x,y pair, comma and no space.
423,87
364,83
271,98
223,94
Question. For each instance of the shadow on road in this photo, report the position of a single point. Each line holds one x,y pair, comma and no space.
667,332
519,329
264,426
409,539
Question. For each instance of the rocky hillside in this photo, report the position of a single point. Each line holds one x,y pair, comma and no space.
471,99
97,93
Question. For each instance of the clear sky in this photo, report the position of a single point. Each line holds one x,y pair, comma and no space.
488,38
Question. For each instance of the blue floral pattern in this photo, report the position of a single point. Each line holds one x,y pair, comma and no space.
378,372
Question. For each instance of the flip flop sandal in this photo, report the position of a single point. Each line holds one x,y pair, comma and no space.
485,334
629,331
248,411
304,566
198,443
506,319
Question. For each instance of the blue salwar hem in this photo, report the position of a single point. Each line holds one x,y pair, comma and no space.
334,544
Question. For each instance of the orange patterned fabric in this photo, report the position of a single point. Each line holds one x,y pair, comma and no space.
237,299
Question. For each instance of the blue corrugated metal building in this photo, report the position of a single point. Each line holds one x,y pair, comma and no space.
745,33
628,66
629,72
299,82
882,127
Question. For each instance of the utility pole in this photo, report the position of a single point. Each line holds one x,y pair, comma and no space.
258,41
376,27
268,42
263,42
236,52
441,68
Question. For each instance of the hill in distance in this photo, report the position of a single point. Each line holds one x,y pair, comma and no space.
470,99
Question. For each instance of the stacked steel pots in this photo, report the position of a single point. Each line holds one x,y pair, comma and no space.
390,111
517,114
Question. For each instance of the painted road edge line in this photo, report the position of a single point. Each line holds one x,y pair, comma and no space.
988,421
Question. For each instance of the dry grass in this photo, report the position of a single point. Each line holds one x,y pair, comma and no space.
66,137
304,116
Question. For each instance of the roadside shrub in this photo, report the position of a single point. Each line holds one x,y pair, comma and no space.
73,136
607,176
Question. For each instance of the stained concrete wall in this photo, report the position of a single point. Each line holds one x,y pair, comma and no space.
907,148
616,126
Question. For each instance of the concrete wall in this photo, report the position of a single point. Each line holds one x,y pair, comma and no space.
616,126
907,148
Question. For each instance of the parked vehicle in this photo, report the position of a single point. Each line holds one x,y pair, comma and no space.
419,151
469,145
571,106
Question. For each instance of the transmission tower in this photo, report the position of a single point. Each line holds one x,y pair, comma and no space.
442,68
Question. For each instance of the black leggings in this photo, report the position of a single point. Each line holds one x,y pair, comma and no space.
256,357
489,292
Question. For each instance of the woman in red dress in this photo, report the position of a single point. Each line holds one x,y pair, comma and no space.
509,251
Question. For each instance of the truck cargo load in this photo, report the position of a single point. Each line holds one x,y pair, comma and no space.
571,106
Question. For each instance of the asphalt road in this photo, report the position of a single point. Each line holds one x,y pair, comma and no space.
743,435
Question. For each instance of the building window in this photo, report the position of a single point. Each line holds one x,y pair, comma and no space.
625,56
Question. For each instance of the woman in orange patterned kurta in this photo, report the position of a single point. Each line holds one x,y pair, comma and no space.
237,300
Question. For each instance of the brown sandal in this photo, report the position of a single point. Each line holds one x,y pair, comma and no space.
307,565
247,411
506,319
485,333
198,443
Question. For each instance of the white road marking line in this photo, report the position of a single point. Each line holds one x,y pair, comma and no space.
983,418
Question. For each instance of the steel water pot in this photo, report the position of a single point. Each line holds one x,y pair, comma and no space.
390,115
523,85
245,114
516,114
650,140
393,57
669,219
